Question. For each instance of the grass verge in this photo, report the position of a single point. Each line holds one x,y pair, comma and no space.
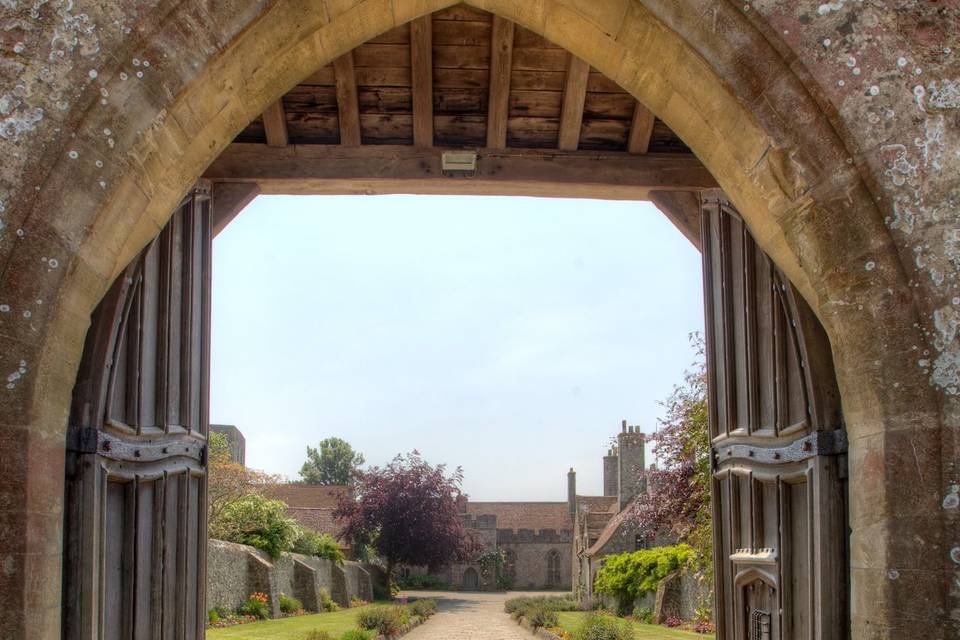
336,624
570,621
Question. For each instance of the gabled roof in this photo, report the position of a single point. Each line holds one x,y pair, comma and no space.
525,515
598,504
613,526
310,496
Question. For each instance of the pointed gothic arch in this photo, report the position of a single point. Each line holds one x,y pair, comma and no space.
747,110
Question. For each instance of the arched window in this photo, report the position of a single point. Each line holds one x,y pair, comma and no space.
510,564
553,568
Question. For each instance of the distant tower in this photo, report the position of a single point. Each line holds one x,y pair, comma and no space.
238,444
630,458
611,474
572,491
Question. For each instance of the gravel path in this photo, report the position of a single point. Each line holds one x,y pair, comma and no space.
468,616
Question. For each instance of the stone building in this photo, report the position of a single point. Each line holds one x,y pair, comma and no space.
556,545
603,524
238,444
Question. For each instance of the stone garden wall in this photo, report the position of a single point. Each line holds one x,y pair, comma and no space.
678,595
234,571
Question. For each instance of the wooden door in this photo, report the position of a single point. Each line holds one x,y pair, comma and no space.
135,523
779,481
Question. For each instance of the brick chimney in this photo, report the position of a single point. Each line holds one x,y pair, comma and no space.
572,491
611,476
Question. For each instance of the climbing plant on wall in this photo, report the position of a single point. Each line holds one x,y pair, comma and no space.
627,576
493,568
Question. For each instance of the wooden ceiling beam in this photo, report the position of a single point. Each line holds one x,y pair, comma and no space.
374,169
641,130
682,208
421,66
275,125
501,64
348,107
229,199
574,98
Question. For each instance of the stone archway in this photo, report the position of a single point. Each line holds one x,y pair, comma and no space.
86,203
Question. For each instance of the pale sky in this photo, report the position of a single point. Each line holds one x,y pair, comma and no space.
508,336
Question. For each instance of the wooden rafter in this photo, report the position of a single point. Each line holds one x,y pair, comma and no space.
347,103
501,61
421,63
275,125
574,97
641,129
330,169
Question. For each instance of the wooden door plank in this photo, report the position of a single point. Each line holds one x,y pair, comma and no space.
421,62
501,61
641,130
574,97
347,103
275,125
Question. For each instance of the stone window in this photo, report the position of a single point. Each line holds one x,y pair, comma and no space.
553,568
510,564
641,542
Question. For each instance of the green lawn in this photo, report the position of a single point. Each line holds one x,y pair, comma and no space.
294,628
570,620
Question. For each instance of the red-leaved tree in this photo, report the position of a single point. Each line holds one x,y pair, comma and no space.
678,499
407,511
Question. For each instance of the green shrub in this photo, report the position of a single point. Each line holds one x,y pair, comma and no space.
598,626
553,603
643,614
258,522
321,545
421,581
628,576
289,604
256,606
357,634
318,634
213,616
541,617
423,608
326,602
386,621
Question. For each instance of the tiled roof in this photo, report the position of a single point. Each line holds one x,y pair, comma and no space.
311,496
320,520
603,504
609,531
525,515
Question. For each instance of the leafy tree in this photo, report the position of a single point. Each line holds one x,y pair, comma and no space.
229,481
256,521
408,512
678,500
333,462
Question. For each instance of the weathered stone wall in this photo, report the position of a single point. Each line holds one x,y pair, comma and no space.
531,566
833,126
234,571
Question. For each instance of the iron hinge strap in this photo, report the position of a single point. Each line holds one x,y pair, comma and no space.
82,439
818,443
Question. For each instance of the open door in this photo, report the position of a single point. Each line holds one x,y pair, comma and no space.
779,480
135,521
